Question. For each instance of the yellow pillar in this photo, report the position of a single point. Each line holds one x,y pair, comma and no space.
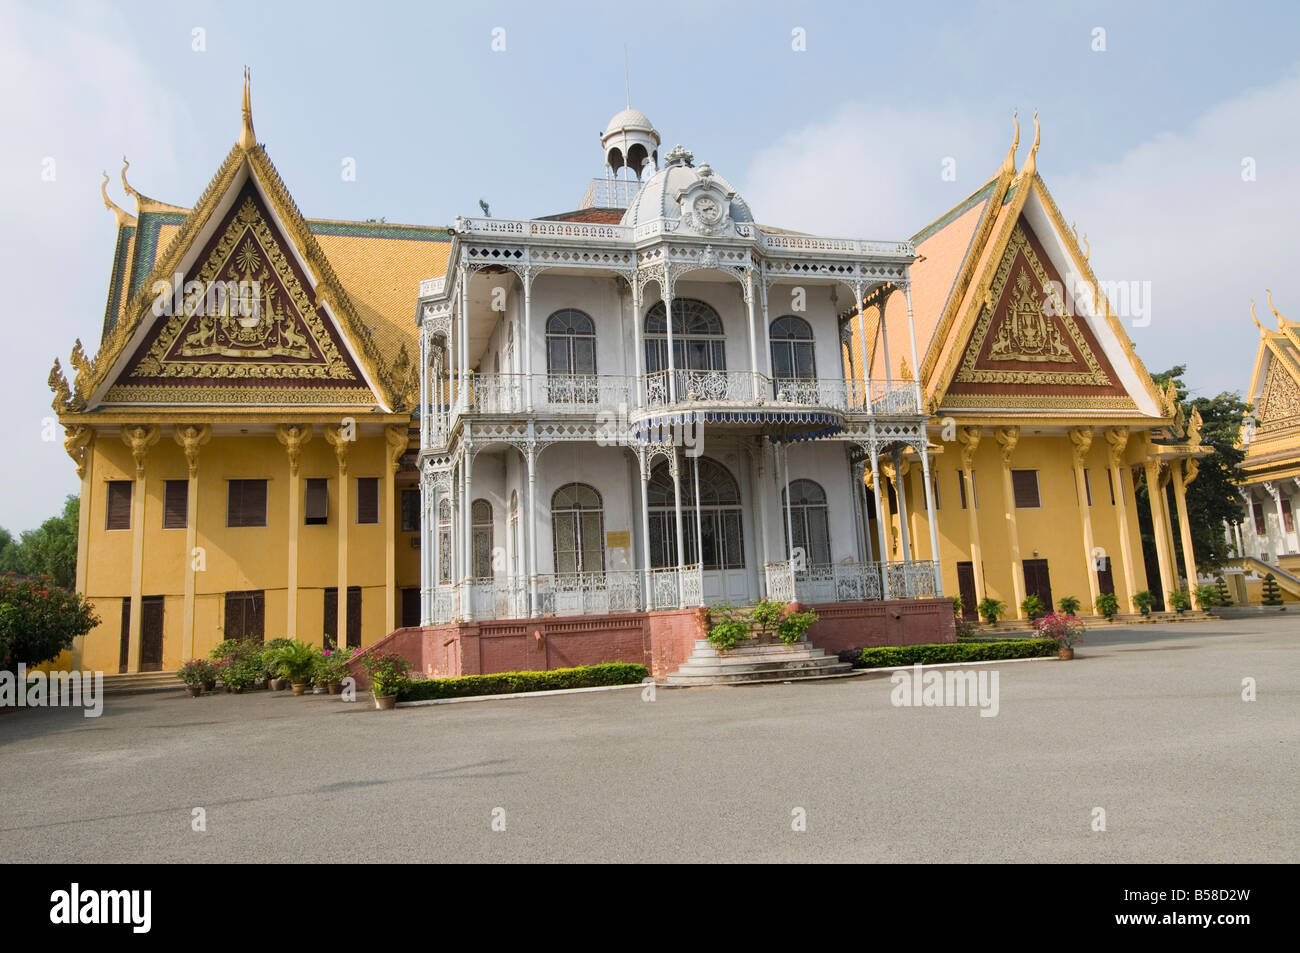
79,444
139,439
1117,438
397,439
1008,437
969,438
1183,477
190,438
1159,527
1166,473
1081,438
341,438
293,437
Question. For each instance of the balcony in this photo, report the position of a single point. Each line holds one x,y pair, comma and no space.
853,582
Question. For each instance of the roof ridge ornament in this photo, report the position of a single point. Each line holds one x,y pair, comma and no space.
679,156
1009,163
1262,331
124,218
247,138
1031,163
1282,322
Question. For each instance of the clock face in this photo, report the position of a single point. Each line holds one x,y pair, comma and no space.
708,210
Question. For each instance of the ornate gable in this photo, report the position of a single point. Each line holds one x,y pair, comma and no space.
1027,349
1279,406
246,327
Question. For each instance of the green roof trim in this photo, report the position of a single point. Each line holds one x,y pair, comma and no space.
115,279
980,195
146,244
410,233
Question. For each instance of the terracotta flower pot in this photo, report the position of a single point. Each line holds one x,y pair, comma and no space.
299,688
385,702
194,691
335,687
1065,653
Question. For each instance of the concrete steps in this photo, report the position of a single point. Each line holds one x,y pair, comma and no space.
132,683
755,663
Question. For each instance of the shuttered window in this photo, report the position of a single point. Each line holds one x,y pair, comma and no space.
410,511
1024,483
246,503
176,498
318,502
1257,511
119,505
331,621
961,487
245,615
368,499
1110,485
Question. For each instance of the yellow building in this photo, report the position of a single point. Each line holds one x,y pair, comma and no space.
242,434
1043,418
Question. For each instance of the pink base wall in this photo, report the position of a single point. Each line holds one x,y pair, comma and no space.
661,641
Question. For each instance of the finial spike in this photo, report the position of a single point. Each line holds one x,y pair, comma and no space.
122,215
1009,164
1253,318
1031,163
247,138
627,80
1281,321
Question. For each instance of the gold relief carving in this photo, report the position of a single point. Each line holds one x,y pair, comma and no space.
190,394
398,440
1081,437
1007,437
293,436
339,439
1191,467
1038,402
1194,428
1117,438
1165,472
139,438
77,443
59,386
1281,395
904,372
189,437
969,438
247,251
1026,336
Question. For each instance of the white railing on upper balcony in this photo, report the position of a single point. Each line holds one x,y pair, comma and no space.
709,387
852,582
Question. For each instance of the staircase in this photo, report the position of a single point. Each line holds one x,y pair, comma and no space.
134,683
1287,582
754,662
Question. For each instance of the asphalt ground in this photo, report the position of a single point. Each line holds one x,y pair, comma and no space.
1147,724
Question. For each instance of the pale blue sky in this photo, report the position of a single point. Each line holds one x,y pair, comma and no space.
1142,143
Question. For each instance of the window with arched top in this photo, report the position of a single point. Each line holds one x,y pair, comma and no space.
578,529
699,343
481,517
721,526
792,348
809,521
570,343
444,541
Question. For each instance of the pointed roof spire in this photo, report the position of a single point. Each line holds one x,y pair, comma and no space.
1031,164
144,203
124,218
247,138
1009,163
1281,321
1262,332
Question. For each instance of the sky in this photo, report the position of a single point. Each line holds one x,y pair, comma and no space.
1169,135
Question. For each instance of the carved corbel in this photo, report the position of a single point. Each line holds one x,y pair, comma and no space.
139,438
398,440
341,439
1081,437
189,437
293,437
1117,438
1191,467
77,443
1008,437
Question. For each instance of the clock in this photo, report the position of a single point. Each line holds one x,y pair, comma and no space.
707,210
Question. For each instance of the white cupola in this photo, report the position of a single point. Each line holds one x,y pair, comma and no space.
630,142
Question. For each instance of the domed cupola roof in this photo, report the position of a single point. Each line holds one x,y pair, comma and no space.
695,199
631,120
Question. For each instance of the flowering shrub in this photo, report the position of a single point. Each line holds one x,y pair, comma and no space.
238,674
768,617
332,664
38,619
198,673
1066,630
387,672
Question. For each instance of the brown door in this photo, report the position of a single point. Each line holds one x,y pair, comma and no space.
151,634
1105,578
1037,582
245,614
966,587
354,617
331,625
124,653
410,607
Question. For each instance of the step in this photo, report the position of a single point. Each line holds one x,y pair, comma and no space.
704,648
695,667
768,676
804,652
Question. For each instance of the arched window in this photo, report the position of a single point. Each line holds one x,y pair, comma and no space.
444,541
578,529
720,517
482,519
809,521
570,343
792,348
698,341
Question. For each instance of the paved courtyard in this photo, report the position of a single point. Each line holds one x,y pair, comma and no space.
1148,723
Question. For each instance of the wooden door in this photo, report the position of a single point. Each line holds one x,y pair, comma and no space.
124,652
151,634
1038,582
1105,578
354,617
410,607
966,588
245,615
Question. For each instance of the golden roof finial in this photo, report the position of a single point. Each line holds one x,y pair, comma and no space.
1255,319
247,139
1087,249
1031,164
1009,163
144,203
1281,321
124,218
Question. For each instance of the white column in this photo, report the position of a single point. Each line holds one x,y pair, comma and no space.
681,543
862,342
699,522
672,364
424,385
785,504
531,455
916,367
643,465
934,532
767,335
467,600
753,337
639,344
884,341
462,361
857,515
881,529
1283,542
900,490
870,547
527,342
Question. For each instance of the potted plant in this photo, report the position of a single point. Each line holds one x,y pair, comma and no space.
1180,600
273,680
1068,605
1066,630
296,662
770,619
1032,606
387,677
195,674
1205,596
332,668
1144,601
1108,605
237,675
991,609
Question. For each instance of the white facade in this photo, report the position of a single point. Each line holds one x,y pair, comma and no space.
579,375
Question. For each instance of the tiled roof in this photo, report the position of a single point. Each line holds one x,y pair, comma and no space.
596,216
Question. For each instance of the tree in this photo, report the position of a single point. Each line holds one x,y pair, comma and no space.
38,620
49,550
1212,497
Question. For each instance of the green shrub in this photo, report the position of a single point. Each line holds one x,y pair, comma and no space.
1272,592
1222,597
1107,604
991,609
387,671
896,655
769,617
1068,605
957,606
295,661
1206,596
39,619
508,683
1180,600
1032,606
1144,601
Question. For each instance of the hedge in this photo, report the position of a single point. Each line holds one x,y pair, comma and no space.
508,683
895,655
